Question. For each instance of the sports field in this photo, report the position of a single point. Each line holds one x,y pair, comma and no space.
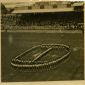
14,43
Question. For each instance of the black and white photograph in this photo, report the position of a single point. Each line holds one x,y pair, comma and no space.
42,41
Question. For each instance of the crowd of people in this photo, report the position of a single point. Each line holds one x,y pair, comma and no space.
51,56
49,21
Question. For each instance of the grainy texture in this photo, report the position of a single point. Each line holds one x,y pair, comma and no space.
71,69
23,27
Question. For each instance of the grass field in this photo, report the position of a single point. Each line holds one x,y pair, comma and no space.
14,43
